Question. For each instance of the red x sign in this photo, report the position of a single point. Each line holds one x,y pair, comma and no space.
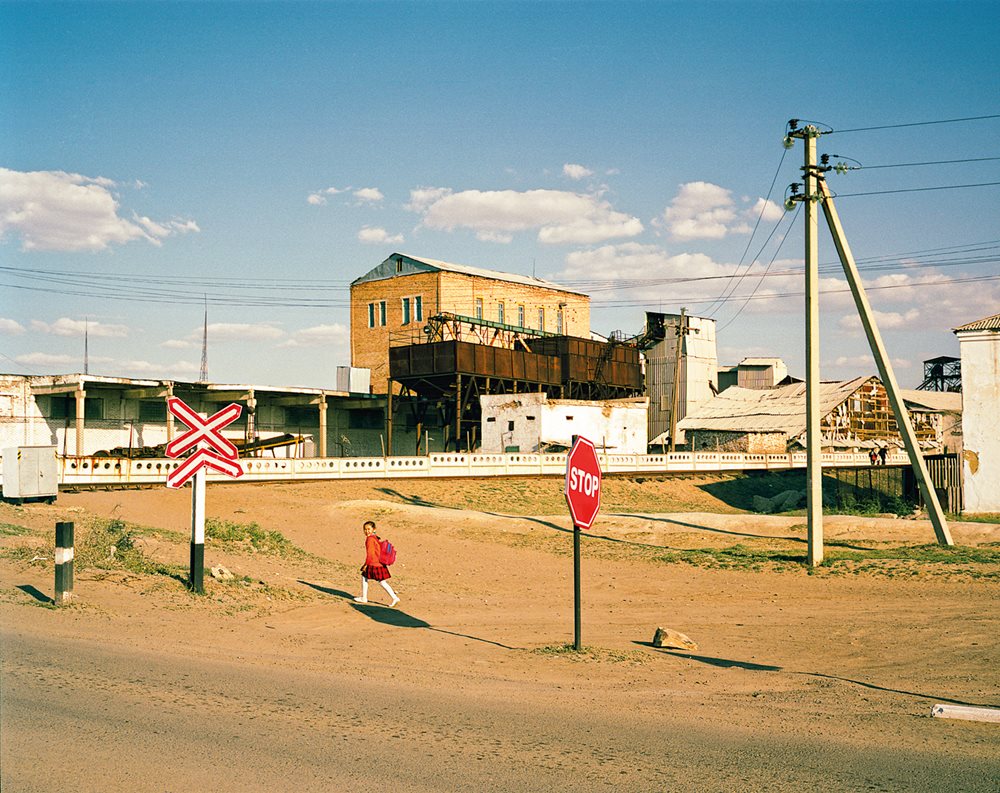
203,430
203,433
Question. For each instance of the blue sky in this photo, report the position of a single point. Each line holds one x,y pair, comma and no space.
262,156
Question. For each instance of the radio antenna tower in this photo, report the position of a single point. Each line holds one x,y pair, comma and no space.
203,374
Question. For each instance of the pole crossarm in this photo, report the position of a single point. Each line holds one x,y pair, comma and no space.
885,370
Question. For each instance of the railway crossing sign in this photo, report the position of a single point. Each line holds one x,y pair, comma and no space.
583,483
214,451
211,451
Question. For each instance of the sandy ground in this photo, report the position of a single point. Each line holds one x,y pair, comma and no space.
280,680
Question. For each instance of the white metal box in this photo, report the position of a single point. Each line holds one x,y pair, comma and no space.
30,472
354,380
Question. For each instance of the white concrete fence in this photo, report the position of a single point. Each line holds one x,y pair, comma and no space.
124,472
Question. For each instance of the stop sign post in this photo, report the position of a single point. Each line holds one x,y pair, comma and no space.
583,495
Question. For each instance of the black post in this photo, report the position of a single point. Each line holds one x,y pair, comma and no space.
576,588
64,562
197,578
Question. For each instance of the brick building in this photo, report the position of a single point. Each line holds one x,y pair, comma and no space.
392,303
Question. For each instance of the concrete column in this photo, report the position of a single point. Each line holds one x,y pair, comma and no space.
321,405
81,397
170,416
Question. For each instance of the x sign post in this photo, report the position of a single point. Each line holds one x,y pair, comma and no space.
211,451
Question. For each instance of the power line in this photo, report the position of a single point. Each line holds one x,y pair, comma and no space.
766,269
917,124
862,167
919,189
757,224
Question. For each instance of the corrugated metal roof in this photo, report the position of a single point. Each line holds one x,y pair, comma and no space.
384,271
780,409
987,323
950,401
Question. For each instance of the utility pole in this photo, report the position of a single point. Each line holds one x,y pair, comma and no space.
816,191
814,441
682,331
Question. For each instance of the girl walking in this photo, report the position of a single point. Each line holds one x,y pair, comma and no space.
373,569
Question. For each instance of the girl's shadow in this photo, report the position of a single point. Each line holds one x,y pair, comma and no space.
395,617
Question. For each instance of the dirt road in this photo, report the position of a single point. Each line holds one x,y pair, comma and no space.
280,681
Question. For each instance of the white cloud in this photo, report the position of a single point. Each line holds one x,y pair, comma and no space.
368,195
576,172
702,210
10,327
64,326
886,320
318,197
59,211
178,344
376,235
423,197
178,368
866,363
241,331
48,359
319,336
559,216
767,211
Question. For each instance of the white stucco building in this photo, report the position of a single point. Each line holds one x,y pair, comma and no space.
532,422
980,351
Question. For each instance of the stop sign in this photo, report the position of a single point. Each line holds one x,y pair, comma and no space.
583,483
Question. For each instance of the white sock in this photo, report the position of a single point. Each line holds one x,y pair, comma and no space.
387,588
364,588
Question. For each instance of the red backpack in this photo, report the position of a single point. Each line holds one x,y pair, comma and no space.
387,552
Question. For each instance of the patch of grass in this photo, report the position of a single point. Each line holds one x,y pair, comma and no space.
11,530
923,554
109,544
252,538
588,653
977,517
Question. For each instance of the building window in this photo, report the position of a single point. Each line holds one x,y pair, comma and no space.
152,410
365,419
479,308
520,316
500,314
541,318
418,309
559,321
399,265
406,311
376,314
65,407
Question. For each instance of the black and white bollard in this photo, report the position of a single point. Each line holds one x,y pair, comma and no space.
64,562
197,580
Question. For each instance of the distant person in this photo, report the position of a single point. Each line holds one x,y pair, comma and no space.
882,454
873,457
373,569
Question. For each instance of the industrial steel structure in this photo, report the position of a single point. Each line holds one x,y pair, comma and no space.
460,358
